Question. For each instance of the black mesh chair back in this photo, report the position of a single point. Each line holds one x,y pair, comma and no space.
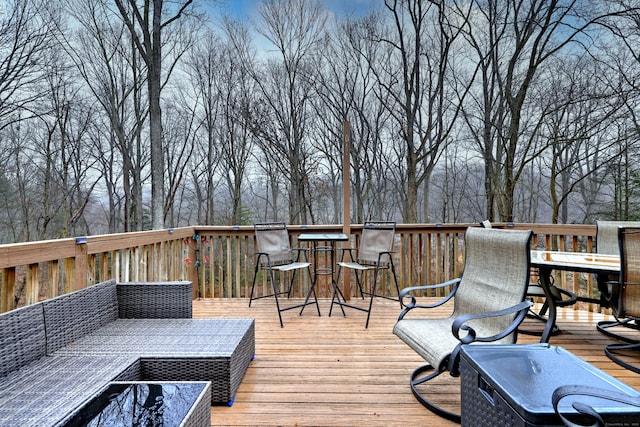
377,238
272,239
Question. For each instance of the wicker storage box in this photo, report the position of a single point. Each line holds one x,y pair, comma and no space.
512,385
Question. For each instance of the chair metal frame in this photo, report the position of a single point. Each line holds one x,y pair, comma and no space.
561,298
488,306
374,252
276,253
625,299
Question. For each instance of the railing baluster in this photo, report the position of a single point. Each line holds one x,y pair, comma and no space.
33,284
7,300
53,273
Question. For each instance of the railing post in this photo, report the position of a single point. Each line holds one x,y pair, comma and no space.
346,202
80,279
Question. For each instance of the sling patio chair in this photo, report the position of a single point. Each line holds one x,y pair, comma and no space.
374,252
274,252
488,305
626,305
607,243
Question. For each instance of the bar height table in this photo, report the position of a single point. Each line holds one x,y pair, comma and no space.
329,238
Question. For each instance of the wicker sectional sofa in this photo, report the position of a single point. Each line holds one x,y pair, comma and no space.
57,354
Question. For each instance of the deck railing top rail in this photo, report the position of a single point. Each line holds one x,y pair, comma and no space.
219,259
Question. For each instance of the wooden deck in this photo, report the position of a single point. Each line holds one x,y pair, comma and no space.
331,371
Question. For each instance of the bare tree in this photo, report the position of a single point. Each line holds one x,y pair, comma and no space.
416,75
347,91
294,28
68,173
513,41
179,147
225,92
27,30
114,74
577,118
237,91
623,74
147,24
201,67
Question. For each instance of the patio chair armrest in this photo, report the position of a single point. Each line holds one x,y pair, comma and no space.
347,249
587,391
408,293
300,251
383,253
259,255
350,250
471,334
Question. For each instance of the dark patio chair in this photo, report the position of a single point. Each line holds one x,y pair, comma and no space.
374,252
607,243
274,252
626,304
488,305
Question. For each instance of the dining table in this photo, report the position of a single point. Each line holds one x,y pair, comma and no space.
602,266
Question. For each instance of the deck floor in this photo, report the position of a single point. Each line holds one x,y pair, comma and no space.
331,371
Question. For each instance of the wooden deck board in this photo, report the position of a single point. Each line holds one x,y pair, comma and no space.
331,371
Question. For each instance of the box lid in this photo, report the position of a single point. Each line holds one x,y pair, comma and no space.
528,374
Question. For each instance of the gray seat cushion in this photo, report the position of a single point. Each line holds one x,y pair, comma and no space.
163,338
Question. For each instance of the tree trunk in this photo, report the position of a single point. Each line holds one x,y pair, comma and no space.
155,120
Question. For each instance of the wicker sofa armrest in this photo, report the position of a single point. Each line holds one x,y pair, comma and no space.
154,300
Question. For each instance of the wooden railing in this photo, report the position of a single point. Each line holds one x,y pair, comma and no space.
220,262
